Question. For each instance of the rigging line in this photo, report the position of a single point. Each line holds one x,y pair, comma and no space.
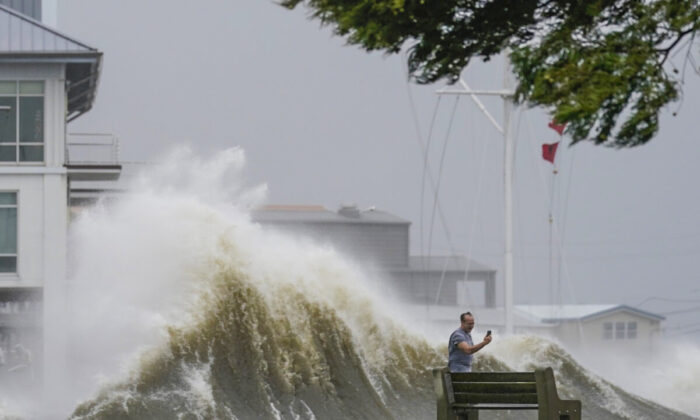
558,202
427,172
602,242
424,149
555,199
551,221
565,265
468,261
682,326
548,195
481,106
565,210
685,62
649,299
477,200
686,333
516,205
543,182
439,181
583,259
695,66
681,311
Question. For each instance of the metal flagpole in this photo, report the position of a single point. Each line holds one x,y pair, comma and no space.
508,194
507,94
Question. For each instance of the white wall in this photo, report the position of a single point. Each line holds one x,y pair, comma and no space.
41,187
42,191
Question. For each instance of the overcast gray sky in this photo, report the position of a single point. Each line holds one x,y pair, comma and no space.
325,123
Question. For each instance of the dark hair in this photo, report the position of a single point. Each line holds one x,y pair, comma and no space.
462,316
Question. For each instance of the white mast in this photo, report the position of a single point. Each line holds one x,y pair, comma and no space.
507,94
508,202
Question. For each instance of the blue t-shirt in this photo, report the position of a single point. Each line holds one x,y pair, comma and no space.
457,355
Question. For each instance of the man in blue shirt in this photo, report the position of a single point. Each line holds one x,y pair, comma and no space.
461,347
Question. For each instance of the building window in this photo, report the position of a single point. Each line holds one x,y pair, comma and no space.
607,331
619,330
21,121
632,330
8,232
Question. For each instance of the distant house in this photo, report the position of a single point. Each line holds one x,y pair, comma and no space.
619,328
380,240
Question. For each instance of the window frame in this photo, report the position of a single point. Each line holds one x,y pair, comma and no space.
17,144
13,275
620,330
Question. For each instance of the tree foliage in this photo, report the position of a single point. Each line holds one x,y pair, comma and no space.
599,65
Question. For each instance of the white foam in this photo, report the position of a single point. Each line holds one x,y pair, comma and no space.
142,263
670,376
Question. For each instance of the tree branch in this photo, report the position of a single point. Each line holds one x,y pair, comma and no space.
667,51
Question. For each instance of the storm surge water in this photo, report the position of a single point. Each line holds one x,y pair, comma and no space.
186,308
182,308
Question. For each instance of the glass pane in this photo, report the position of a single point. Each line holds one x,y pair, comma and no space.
8,264
8,153
31,119
31,153
8,120
8,88
8,198
31,87
619,330
8,230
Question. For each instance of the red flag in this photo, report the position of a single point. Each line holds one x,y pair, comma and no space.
549,151
559,128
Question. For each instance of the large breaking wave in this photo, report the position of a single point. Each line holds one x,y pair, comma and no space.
184,308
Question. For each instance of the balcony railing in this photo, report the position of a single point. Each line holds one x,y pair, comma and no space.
92,149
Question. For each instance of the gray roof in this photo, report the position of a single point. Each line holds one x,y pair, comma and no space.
22,34
27,7
447,263
25,40
311,214
557,313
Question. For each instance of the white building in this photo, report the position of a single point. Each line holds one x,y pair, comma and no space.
380,241
47,79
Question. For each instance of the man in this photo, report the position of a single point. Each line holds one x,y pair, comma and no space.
461,347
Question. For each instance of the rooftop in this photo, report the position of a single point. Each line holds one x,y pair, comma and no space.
318,214
555,313
25,40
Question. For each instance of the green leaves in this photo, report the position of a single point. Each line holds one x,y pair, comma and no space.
597,65
609,87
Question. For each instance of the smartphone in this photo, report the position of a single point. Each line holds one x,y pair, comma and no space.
488,333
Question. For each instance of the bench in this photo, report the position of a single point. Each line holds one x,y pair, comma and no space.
464,394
